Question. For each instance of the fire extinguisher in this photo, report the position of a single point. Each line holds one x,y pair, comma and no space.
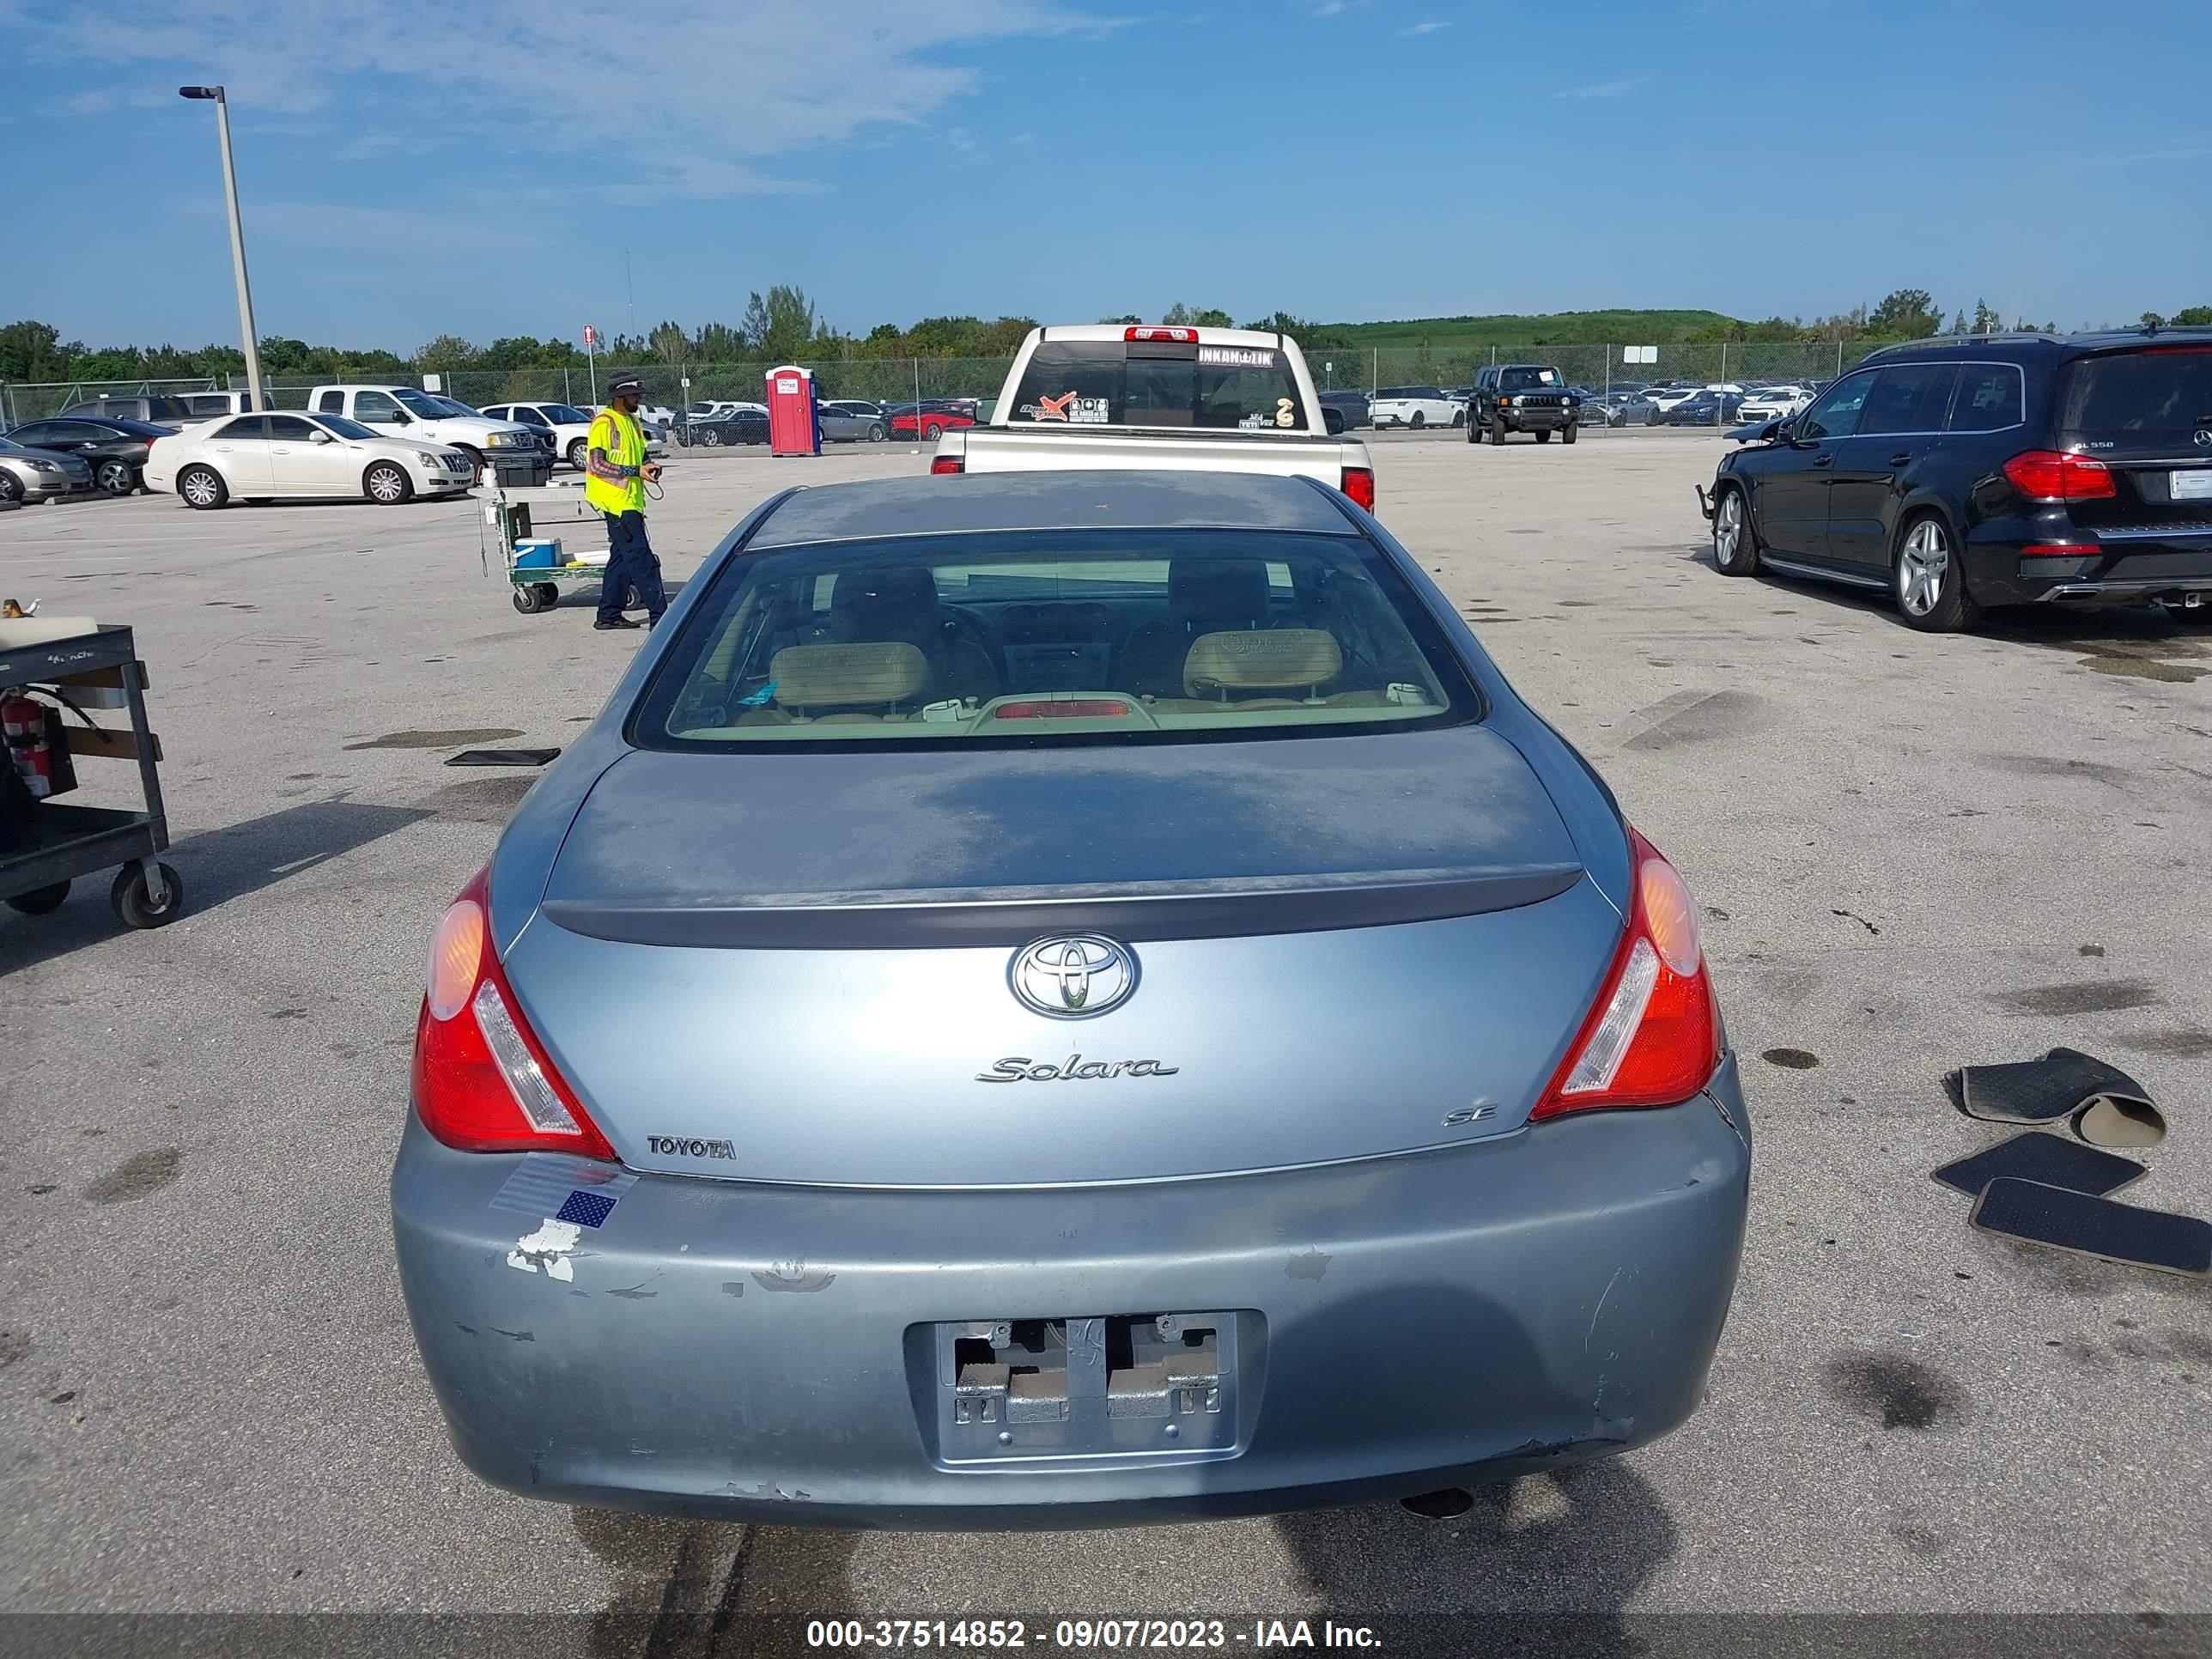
23,724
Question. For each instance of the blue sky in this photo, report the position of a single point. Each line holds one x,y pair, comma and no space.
410,169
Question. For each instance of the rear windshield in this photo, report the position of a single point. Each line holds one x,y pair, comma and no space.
1527,380
1076,636
1157,384
2161,395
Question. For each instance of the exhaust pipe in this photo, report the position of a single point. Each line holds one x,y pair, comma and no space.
1445,1504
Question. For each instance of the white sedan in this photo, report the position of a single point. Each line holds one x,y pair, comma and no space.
256,457
1416,405
1775,402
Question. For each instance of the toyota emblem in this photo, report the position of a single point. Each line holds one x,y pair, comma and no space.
1073,975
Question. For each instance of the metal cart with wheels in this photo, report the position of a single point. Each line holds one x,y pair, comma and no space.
100,669
507,508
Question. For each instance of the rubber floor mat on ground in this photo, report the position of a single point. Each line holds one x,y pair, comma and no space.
2043,1091
2048,1160
504,757
2093,1226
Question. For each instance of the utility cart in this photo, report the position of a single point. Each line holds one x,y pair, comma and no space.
46,844
534,569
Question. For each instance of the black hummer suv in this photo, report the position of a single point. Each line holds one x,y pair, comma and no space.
1522,398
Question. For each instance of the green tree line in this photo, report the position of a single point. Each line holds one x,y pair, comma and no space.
783,326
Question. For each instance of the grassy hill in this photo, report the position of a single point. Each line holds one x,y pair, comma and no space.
1559,328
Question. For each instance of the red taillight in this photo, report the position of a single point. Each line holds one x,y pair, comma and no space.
1179,336
2061,551
483,1081
1359,485
942,463
2052,474
1653,1035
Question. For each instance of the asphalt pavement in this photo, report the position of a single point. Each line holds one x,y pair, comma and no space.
1913,852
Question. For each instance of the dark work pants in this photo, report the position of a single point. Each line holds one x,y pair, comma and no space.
631,564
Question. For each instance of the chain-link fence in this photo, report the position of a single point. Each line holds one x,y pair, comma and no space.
903,380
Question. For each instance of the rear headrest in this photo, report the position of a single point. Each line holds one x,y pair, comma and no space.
897,604
841,676
1218,593
1262,659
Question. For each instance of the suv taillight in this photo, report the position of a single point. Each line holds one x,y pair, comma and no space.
1359,485
1653,1037
483,1081
2052,474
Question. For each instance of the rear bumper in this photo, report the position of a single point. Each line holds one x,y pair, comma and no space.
2131,570
749,1351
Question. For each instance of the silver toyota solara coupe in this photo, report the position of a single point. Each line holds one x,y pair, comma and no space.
1056,999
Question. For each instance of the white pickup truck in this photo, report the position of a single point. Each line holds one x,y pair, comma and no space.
1188,399
406,413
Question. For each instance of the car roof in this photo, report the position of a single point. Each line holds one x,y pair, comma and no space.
2024,348
120,424
1118,332
972,503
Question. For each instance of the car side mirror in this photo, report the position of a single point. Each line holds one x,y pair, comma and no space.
400,417
1332,420
318,436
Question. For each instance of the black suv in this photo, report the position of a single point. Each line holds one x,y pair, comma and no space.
174,410
1522,398
1984,470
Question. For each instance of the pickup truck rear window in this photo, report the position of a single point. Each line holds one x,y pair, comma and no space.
2157,397
1073,636
1070,383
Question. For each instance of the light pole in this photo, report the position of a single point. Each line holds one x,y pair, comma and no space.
255,397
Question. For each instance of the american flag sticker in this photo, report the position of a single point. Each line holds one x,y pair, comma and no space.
554,1185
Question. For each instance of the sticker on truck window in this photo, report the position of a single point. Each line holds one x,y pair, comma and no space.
1080,412
1238,356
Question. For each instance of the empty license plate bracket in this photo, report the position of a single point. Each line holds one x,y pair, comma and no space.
1102,1388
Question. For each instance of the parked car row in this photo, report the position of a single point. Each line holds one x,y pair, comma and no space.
384,443
111,452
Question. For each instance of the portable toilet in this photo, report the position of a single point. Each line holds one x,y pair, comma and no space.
793,428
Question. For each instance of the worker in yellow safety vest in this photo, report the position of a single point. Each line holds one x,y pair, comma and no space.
616,473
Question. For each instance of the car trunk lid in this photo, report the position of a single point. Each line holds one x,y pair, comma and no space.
1343,947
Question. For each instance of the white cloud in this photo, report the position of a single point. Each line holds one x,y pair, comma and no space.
1428,27
1327,8
1603,89
694,94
